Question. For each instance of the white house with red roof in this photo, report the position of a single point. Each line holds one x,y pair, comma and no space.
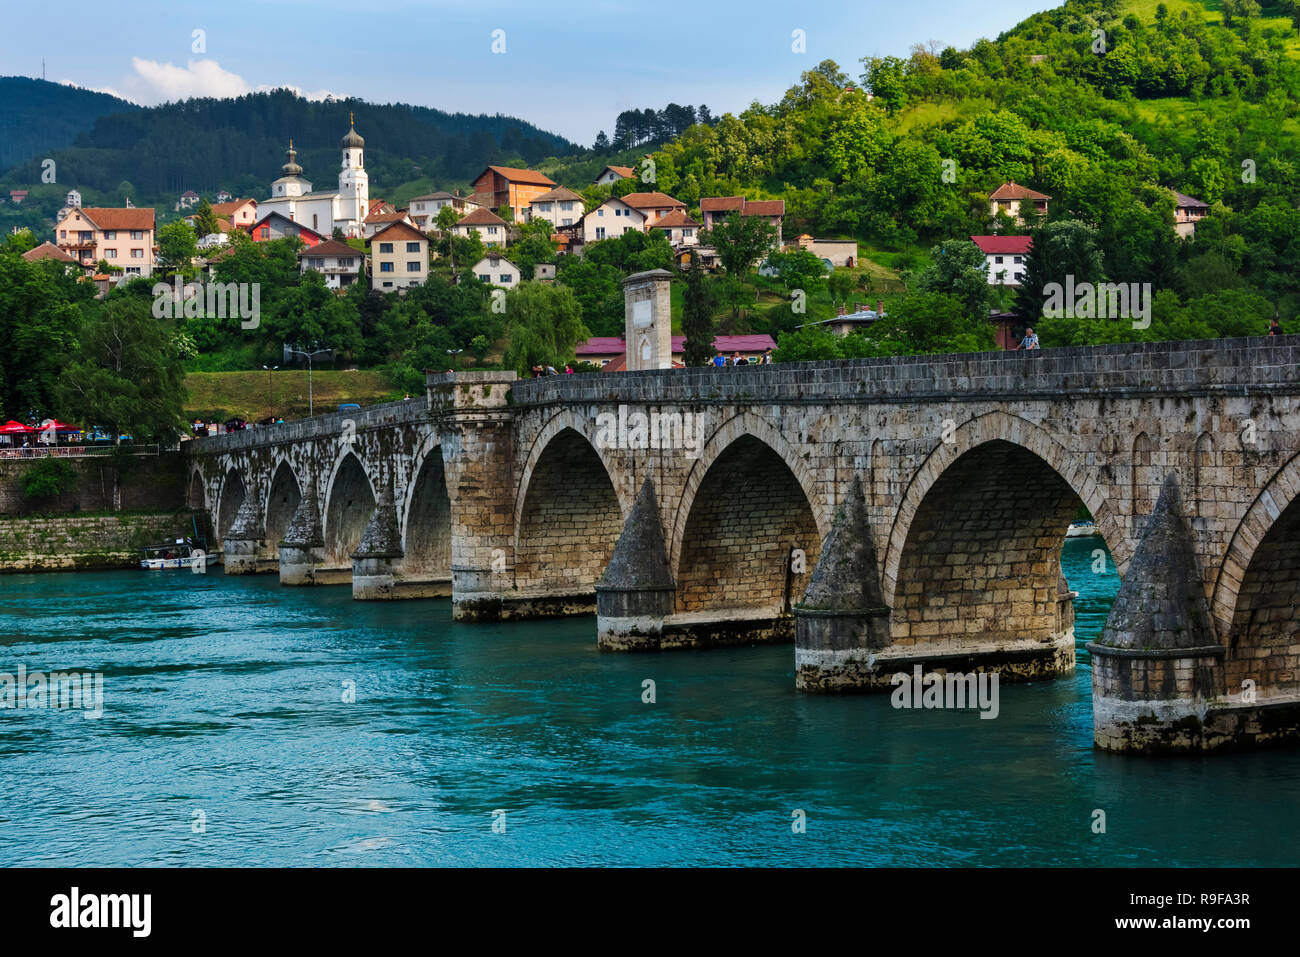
491,228
654,206
612,174
1011,197
1006,257
680,229
610,220
338,262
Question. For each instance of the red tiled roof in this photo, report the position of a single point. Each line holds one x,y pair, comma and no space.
1003,245
651,200
614,345
513,175
763,207
1013,190
112,218
559,193
624,171
721,204
1188,201
481,217
229,209
386,217
399,229
676,218
47,250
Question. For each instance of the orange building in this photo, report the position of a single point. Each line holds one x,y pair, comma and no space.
499,186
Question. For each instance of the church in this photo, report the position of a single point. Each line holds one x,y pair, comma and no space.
323,211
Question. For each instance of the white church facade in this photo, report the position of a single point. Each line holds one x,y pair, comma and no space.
324,211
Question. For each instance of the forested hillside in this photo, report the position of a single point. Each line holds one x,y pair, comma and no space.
37,117
238,145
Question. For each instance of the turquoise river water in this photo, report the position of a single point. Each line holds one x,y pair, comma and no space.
226,739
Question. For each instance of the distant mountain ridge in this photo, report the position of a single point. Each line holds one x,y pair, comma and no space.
38,117
238,144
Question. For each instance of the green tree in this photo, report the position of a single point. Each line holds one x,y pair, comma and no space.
205,220
177,247
741,241
49,478
125,376
697,316
1062,252
543,324
958,268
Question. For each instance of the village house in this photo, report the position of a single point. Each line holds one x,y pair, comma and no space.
680,229
1011,197
399,257
1006,256
559,207
223,196
499,186
1188,211
611,219
377,221
544,272
47,250
497,271
846,322
188,198
612,174
276,225
837,252
491,228
73,199
424,210
715,209
120,237
654,206
16,196
239,213
338,262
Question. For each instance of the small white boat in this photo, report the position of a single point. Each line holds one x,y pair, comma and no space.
1081,530
183,553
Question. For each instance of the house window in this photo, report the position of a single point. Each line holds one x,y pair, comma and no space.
687,233
63,234
600,212
492,230
346,263
110,253
388,285
600,232
132,270
112,234
567,207
264,232
313,221
998,260
485,277
413,266
385,247
568,221
316,263
412,247
505,278
1018,260
137,254
386,267
137,234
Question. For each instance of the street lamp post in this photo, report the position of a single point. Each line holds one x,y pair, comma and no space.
270,390
308,355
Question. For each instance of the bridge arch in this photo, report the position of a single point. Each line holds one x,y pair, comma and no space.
568,513
281,502
196,494
349,503
749,524
231,497
426,523
1258,588
969,487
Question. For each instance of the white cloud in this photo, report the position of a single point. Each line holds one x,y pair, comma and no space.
154,82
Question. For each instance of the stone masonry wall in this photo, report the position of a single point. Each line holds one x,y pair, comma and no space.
82,542
148,482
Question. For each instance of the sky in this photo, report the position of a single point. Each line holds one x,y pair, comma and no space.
570,68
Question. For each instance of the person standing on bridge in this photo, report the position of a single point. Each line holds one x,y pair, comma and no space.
1275,327
1030,341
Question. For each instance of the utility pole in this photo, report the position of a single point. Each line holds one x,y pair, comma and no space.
270,391
308,355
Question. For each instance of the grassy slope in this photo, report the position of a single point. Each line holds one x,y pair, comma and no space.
226,394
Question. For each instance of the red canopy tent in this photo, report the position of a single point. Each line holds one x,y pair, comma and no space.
58,426
13,427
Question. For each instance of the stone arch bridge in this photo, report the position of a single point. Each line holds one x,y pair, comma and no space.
883,513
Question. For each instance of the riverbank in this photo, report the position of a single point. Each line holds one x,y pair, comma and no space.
83,542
